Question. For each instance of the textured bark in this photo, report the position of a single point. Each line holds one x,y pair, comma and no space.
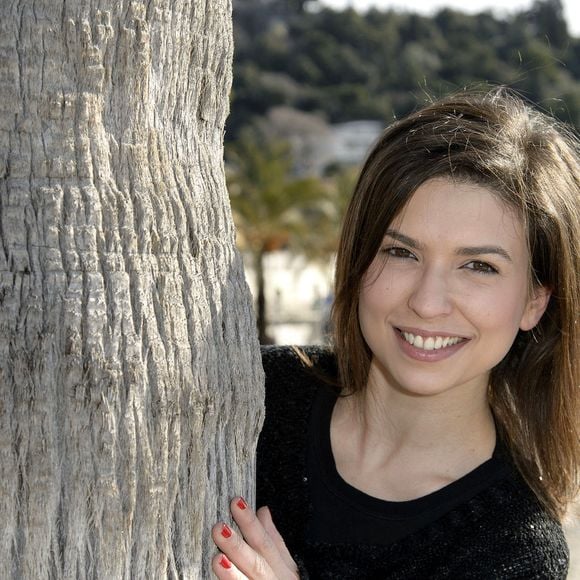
130,383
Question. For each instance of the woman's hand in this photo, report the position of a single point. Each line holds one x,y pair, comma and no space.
257,553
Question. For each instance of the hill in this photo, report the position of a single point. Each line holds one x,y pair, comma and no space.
343,65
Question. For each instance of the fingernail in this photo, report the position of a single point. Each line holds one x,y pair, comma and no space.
225,563
226,531
241,503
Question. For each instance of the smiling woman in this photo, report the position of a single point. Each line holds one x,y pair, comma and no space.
439,438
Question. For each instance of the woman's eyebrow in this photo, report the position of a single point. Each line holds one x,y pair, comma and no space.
404,239
478,250
467,251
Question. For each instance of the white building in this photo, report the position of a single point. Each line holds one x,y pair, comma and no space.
317,145
351,142
298,297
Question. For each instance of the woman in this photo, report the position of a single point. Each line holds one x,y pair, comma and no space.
450,447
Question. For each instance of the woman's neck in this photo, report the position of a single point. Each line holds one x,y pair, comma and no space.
396,446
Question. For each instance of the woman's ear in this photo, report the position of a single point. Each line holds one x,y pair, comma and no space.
535,308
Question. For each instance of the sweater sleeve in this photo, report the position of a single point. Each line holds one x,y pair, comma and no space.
291,384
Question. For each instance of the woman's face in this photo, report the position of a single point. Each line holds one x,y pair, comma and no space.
443,300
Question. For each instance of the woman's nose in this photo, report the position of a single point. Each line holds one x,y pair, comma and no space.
430,296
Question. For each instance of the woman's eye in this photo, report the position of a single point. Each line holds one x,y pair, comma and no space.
398,252
481,267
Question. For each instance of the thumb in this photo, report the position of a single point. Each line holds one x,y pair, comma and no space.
265,518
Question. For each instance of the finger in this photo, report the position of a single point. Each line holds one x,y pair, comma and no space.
265,517
259,540
244,558
225,569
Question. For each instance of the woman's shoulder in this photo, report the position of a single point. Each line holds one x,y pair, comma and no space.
297,372
512,535
293,377
288,360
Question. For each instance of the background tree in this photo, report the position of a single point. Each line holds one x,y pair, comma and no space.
130,382
273,209
547,17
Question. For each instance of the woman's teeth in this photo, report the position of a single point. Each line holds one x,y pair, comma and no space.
431,342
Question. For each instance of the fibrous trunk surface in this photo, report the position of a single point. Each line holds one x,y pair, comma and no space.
130,384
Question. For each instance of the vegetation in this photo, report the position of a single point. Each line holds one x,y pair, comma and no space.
344,65
272,209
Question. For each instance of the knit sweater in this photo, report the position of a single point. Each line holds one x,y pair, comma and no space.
501,532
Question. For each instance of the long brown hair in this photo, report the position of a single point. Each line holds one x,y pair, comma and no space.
494,139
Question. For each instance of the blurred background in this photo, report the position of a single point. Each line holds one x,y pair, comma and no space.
315,82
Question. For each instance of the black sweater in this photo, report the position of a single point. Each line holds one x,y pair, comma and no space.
501,532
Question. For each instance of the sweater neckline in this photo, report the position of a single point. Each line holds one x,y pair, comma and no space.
452,494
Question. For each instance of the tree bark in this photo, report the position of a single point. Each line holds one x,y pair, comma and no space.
130,381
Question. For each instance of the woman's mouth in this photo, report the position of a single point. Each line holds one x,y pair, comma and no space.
430,342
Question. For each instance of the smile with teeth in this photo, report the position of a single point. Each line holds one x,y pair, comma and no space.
430,342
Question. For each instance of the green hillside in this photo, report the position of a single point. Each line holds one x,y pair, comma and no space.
343,65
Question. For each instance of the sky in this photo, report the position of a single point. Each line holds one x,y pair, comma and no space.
571,7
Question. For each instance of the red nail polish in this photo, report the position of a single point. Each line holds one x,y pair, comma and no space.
226,531
225,563
241,503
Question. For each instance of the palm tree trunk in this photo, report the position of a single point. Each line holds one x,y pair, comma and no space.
130,381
